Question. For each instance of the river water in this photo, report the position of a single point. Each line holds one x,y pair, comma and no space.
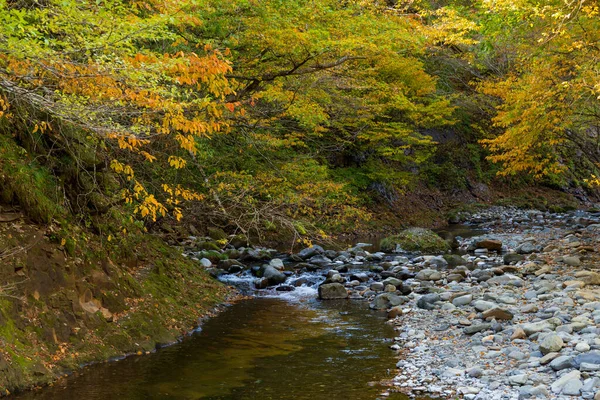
263,348
274,346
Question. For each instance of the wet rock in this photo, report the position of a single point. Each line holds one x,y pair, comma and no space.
360,276
389,288
330,291
395,312
231,266
335,278
285,288
310,252
273,276
392,281
319,259
277,264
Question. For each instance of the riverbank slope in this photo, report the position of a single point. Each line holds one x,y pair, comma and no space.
71,300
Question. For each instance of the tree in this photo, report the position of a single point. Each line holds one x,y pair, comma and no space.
111,77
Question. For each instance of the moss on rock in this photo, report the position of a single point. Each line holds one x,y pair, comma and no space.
416,239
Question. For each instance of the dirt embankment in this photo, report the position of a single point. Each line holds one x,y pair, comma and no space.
61,306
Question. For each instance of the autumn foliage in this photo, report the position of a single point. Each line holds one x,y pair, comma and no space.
295,113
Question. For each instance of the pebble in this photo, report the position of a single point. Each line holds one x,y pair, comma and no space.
487,325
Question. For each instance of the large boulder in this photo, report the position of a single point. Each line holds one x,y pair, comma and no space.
415,239
273,276
330,291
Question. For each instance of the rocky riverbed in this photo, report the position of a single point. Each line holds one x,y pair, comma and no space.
508,315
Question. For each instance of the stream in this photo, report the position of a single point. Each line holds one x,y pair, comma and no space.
279,344
263,348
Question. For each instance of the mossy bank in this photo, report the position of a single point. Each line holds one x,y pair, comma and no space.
68,302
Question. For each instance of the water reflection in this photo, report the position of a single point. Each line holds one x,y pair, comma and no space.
263,348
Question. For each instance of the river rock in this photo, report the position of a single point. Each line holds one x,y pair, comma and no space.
470,330
528,248
454,260
552,343
589,277
592,357
572,387
319,259
335,278
395,312
512,258
385,301
427,301
428,275
205,262
330,291
415,239
572,261
490,244
560,383
582,347
462,300
273,276
498,314
277,264
518,334
360,276
310,252
535,327
231,266
562,362
438,262
482,305
392,281
518,380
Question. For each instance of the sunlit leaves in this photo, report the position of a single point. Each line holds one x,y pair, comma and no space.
121,73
